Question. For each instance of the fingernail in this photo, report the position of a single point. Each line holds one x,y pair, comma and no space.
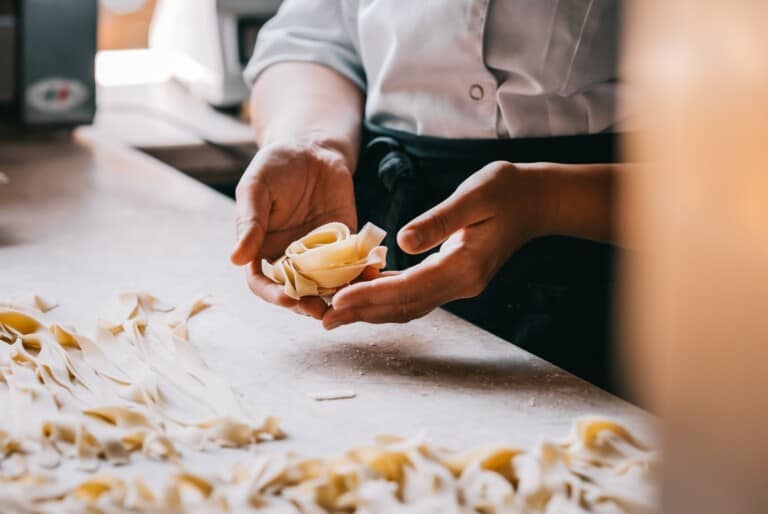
239,239
234,256
335,324
412,238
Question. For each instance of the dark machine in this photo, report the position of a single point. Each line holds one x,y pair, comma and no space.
47,53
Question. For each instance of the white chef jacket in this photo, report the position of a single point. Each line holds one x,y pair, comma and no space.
461,68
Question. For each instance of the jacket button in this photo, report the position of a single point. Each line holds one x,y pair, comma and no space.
476,92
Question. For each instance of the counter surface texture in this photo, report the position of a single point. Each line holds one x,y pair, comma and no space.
82,220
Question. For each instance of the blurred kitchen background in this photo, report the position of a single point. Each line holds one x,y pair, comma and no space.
167,78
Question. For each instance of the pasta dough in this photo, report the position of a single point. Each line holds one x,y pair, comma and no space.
139,386
326,259
600,468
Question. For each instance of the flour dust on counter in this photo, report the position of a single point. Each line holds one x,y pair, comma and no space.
138,391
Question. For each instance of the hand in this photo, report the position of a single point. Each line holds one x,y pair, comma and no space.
287,191
488,217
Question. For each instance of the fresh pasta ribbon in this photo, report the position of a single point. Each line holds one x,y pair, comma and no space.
327,259
133,388
585,474
140,387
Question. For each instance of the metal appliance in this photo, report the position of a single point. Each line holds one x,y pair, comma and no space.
209,43
47,52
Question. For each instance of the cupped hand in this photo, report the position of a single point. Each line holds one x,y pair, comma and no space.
488,217
287,191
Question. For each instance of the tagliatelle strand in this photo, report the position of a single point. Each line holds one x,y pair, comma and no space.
130,389
140,387
598,469
327,259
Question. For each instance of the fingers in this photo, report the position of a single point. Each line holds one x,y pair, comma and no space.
312,306
424,280
250,238
267,290
371,273
376,314
463,208
252,207
473,201
398,298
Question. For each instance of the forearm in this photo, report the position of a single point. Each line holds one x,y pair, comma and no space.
307,103
579,199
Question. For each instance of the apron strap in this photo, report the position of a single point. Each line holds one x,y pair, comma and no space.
391,160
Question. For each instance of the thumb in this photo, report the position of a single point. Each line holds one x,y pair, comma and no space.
461,209
253,209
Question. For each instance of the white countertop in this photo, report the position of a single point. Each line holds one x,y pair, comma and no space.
81,221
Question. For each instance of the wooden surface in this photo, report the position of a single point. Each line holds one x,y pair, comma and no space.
81,221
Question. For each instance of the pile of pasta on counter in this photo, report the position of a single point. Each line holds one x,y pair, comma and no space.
138,392
138,386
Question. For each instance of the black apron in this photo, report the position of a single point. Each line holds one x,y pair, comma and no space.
553,297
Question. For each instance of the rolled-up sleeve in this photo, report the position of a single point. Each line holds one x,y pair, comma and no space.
317,31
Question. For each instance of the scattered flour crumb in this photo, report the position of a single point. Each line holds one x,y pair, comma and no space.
322,396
